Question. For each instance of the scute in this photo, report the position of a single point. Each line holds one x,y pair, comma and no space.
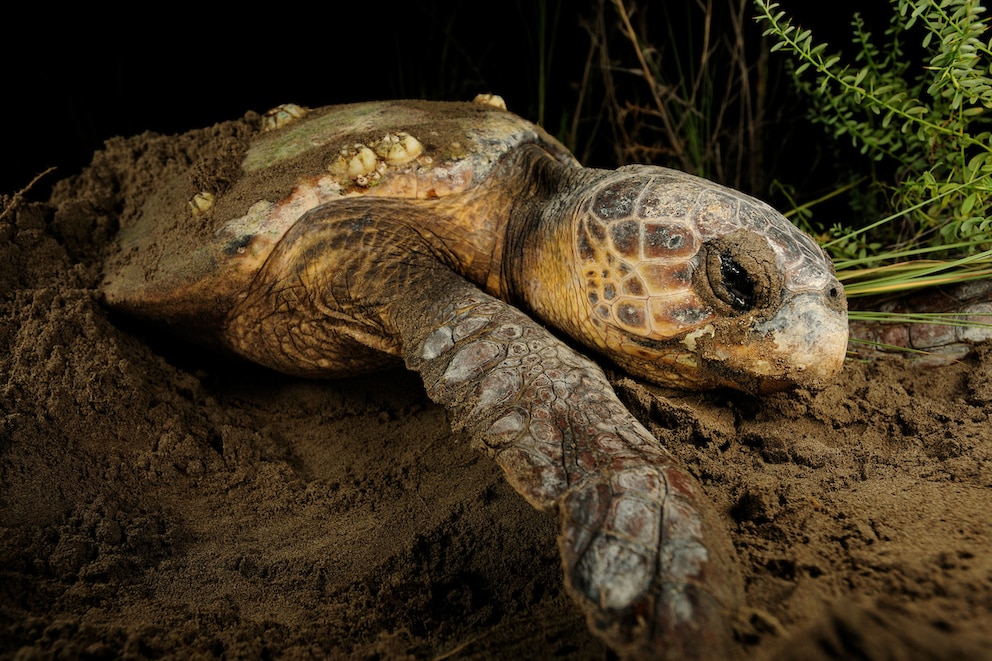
190,264
617,200
634,242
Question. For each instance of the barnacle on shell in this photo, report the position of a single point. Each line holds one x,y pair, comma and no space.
281,115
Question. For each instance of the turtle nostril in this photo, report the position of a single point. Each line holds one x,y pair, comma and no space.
737,287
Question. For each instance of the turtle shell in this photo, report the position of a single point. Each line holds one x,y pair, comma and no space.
190,251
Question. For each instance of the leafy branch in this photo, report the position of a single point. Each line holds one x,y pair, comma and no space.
925,119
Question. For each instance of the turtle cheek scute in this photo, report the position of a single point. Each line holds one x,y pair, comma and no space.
631,314
663,279
626,238
674,316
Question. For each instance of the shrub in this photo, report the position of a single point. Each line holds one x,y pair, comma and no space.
918,103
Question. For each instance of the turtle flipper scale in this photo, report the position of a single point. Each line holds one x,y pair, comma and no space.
642,552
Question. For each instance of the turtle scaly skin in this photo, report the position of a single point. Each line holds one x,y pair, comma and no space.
643,553
359,236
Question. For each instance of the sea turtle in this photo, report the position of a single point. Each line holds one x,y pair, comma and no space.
451,236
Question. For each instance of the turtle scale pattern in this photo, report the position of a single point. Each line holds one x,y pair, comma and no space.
640,273
332,256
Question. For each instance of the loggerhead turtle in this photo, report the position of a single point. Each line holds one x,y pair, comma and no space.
339,240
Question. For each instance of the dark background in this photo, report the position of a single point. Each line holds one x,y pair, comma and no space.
74,77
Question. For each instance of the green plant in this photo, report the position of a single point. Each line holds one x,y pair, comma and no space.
926,120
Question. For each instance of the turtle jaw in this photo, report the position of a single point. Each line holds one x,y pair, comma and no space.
802,345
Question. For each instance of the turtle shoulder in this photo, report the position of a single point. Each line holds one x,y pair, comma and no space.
189,252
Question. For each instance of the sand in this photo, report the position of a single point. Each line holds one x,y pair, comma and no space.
160,501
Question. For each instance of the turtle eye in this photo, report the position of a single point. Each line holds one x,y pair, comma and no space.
740,273
736,288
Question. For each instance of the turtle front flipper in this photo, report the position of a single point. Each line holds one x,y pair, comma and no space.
643,553
641,550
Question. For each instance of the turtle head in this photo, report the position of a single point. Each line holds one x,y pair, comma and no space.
690,284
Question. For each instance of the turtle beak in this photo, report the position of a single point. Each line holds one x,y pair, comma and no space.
810,337
802,345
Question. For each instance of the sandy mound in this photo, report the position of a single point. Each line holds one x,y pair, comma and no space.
158,501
